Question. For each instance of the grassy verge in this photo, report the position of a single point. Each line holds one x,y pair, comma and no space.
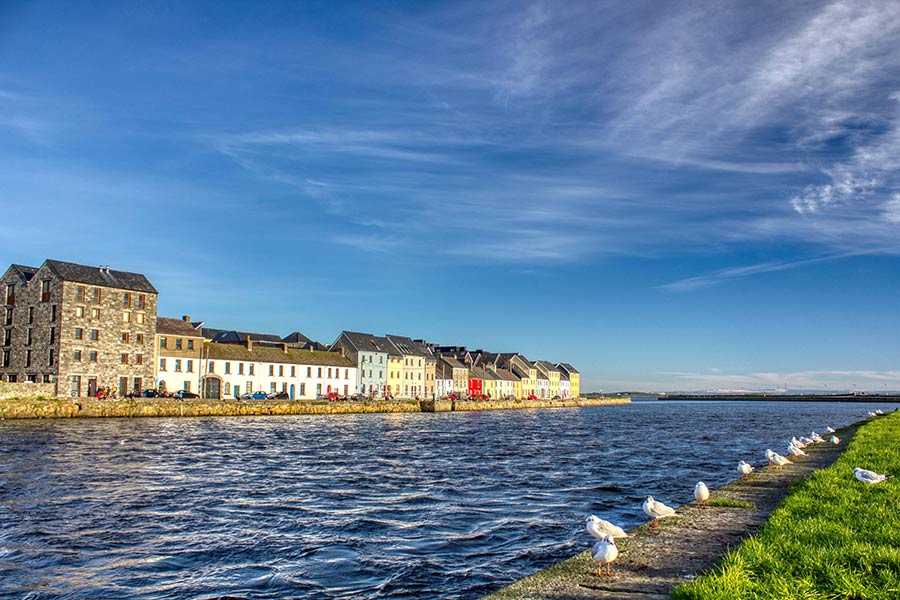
833,537
730,503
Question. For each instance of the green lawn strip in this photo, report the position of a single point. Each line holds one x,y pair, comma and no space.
832,537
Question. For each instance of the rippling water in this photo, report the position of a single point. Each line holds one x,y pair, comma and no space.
355,506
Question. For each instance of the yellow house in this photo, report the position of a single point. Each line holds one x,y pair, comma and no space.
413,375
552,374
491,383
524,370
574,379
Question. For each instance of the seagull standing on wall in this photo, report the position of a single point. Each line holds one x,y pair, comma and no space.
835,440
658,511
770,456
701,493
605,552
780,461
745,468
599,528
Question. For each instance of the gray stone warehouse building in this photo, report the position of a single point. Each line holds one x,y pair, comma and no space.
77,326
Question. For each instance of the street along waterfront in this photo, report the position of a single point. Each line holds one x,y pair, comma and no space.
371,506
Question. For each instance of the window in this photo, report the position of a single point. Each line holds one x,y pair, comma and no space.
95,295
249,387
251,369
79,294
272,388
227,389
28,358
302,389
178,366
123,358
139,318
140,301
95,334
28,339
346,373
79,311
318,389
45,290
240,368
271,370
10,293
53,335
138,359
5,361
281,370
76,356
126,300
75,385
53,312
309,371
51,358
178,343
139,338
329,372
124,337
8,320
228,368
319,372
138,384
163,342
187,386
162,364
95,313
31,314
212,367
126,317
190,344
92,356
293,371
190,366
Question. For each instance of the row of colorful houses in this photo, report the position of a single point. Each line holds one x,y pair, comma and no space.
90,328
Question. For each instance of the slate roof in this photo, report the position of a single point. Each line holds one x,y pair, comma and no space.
25,272
101,277
366,342
567,367
507,375
167,326
267,354
408,347
230,336
296,338
546,367
452,362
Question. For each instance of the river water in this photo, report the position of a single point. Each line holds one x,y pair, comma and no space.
450,505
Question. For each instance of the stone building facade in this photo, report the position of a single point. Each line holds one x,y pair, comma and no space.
78,327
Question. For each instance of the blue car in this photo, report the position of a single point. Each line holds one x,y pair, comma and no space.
254,396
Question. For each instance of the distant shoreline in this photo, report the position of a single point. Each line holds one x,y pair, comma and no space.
787,397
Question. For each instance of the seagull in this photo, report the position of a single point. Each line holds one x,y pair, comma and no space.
835,440
599,528
816,437
871,414
657,510
807,441
605,552
780,461
829,429
770,456
795,451
867,476
701,493
796,442
744,468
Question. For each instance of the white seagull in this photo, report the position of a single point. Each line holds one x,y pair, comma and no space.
605,552
780,460
770,456
745,468
816,438
796,442
795,451
701,493
807,441
658,511
835,440
829,429
599,528
867,476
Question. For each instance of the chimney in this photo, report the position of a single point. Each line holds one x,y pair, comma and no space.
284,347
186,318
249,343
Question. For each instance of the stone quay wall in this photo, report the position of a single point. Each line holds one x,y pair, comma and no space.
26,390
48,407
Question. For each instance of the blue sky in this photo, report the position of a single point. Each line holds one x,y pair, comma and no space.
688,195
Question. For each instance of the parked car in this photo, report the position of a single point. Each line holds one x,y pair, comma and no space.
254,396
556,398
149,394
185,394
279,396
532,397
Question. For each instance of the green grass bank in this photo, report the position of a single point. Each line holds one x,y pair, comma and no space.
833,537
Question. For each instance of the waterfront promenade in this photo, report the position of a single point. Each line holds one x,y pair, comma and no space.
31,408
653,562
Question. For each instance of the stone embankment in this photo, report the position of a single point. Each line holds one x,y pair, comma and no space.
31,408
652,562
